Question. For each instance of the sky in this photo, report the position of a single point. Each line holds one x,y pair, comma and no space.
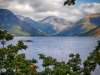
40,9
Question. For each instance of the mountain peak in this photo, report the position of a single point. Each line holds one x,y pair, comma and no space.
1,10
91,16
5,11
56,23
52,18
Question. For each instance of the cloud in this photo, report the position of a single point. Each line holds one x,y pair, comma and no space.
90,8
4,3
39,9
81,11
15,6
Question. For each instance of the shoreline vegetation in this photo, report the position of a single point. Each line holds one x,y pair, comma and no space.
13,63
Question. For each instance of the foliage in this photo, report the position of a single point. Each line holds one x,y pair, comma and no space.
69,2
13,63
5,36
74,66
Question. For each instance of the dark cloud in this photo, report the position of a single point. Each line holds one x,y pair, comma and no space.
5,3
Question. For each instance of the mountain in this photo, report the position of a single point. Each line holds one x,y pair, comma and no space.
9,22
49,25
53,24
94,32
82,26
37,25
30,21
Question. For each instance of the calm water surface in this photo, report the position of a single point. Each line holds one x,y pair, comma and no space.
58,47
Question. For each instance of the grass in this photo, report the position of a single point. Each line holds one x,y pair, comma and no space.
18,31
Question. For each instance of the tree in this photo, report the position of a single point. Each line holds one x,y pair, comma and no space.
74,63
92,61
5,36
69,2
12,63
53,67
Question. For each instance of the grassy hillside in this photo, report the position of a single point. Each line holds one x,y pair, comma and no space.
94,32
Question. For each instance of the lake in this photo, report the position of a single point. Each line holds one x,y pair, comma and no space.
58,47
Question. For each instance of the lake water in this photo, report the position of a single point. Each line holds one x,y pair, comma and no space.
58,47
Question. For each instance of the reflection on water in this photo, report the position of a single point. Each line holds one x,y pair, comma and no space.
58,47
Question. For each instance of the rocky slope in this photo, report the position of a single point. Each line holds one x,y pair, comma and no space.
53,24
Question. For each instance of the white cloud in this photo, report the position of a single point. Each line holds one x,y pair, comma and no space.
15,6
39,9
81,11
90,8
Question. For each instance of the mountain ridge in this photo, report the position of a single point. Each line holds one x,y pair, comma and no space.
49,25
82,26
9,22
30,21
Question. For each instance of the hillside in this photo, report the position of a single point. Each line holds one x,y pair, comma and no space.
94,32
9,22
82,26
